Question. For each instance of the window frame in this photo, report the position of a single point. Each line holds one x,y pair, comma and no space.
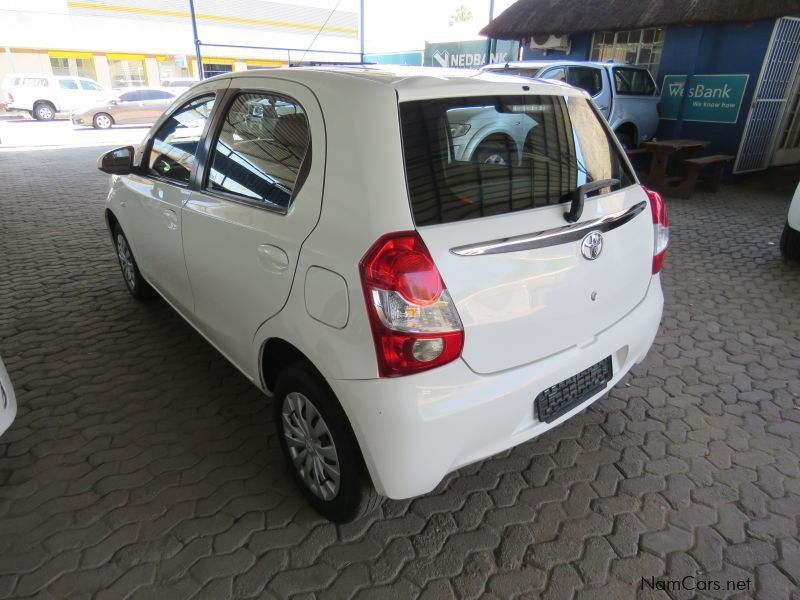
212,135
554,68
634,94
144,165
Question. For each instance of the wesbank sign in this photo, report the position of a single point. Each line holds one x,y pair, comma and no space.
710,99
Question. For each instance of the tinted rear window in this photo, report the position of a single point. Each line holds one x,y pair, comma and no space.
466,158
635,82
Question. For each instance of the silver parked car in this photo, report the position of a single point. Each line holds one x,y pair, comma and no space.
626,95
137,106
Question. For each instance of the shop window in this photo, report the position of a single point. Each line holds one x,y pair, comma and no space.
127,72
211,69
639,47
172,67
73,67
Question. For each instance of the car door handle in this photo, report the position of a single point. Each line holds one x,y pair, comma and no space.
273,259
172,219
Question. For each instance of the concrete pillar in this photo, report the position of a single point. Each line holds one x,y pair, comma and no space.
151,69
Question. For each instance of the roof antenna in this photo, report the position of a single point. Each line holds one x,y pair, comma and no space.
316,35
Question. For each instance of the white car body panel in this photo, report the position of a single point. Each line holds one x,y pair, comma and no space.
8,401
794,211
216,262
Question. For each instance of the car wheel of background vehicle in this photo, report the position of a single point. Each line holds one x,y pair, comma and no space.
137,286
320,446
495,150
790,243
44,111
625,140
102,121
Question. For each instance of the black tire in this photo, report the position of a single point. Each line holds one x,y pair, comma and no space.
355,496
495,150
131,275
790,243
44,111
102,121
625,140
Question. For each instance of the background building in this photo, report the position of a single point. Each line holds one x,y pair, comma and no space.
142,42
738,60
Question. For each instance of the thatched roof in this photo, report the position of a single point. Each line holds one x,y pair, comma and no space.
541,17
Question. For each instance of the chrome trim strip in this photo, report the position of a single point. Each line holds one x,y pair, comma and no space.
550,237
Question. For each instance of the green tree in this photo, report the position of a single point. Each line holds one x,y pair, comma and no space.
462,14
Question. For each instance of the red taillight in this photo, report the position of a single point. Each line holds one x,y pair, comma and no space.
660,228
414,321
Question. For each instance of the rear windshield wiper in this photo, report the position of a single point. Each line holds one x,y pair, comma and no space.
576,208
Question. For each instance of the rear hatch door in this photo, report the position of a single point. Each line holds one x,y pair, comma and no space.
526,282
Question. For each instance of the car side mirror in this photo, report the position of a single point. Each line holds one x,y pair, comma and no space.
117,162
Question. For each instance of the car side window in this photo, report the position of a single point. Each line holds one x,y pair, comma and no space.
586,78
159,95
129,97
91,86
68,84
632,81
175,143
262,153
35,82
558,73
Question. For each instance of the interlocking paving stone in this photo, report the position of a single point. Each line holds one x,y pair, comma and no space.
142,465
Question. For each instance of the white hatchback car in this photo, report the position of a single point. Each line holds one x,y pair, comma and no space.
409,311
790,239
8,402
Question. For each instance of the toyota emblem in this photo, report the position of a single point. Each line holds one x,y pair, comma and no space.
592,245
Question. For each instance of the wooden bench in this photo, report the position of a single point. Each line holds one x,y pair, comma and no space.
692,167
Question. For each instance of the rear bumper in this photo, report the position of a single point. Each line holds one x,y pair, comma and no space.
414,430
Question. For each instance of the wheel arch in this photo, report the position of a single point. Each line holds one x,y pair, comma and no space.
628,128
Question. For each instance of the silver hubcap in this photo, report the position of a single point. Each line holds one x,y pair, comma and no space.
45,112
310,446
103,122
494,159
126,261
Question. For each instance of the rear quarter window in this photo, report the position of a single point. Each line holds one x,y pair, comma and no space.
633,82
467,158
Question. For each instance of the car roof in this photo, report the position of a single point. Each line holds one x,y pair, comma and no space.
146,88
540,64
410,82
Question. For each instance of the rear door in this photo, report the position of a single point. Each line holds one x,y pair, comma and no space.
527,283
590,79
259,197
636,100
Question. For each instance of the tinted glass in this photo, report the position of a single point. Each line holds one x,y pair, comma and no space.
154,95
68,84
262,149
457,171
175,143
90,85
634,81
560,74
130,97
586,78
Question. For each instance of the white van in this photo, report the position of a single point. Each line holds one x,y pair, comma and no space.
44,96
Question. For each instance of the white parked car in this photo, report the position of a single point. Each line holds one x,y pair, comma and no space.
8,402
627,95
790,240
410,312
45,96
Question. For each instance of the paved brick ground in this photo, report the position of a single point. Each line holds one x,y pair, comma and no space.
141,464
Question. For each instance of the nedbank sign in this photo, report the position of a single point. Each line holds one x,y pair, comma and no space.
471,54
710,98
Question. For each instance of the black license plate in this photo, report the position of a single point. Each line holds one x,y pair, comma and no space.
562,397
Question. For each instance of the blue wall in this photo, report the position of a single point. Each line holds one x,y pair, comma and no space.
729,48
580,47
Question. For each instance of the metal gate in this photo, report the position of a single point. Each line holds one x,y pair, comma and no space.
775,84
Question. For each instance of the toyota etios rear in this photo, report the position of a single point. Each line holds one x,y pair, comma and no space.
423,267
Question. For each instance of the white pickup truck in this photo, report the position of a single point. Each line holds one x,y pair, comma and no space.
626,95
44,96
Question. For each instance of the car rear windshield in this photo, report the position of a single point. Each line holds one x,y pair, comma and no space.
467,158
634,82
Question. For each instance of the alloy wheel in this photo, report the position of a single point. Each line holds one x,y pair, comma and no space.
126,261
102,121
311,446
